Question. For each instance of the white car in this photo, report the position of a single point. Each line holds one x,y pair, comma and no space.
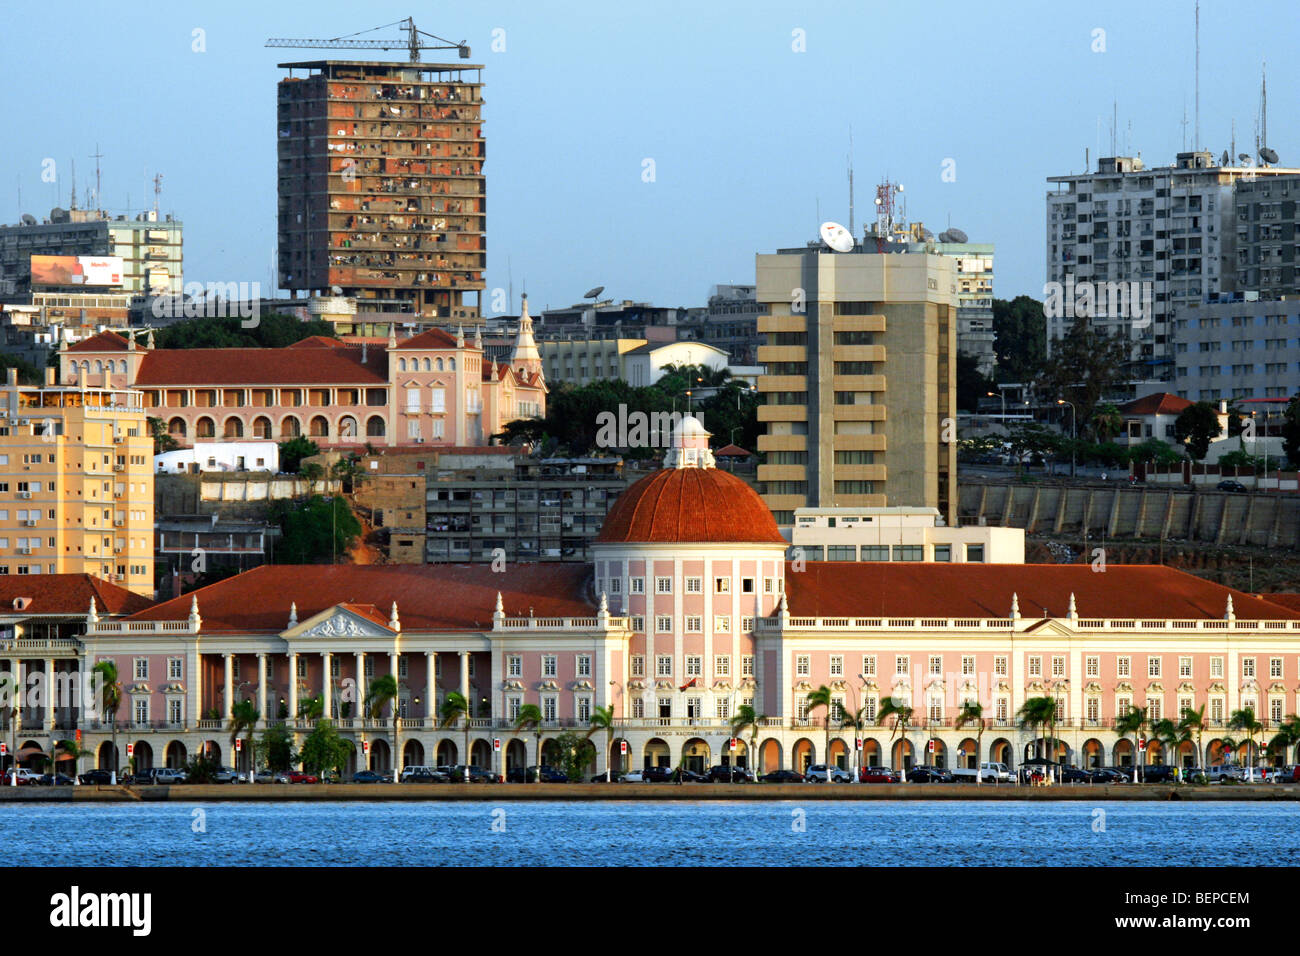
634,776
817,774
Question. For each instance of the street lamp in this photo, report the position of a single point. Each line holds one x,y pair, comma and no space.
1004,403
1074,433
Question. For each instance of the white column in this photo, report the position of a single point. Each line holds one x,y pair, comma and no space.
193,686
49,694
360,709
430,686
464,676
293,685
261,688
326,681
20,675
393,657
230,684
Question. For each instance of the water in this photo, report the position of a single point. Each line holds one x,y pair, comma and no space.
677,833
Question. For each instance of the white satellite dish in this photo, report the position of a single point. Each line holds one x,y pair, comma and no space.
837,237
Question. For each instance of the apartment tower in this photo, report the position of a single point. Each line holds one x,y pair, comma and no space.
859,397
381,188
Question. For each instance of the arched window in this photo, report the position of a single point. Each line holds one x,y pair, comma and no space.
234,428
451,364
427,365
401,365
261,427
290,427
205,428
439,365
374,427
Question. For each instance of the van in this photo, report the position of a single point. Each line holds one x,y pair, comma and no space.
411,770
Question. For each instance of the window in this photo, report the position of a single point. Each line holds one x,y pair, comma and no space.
694,665
1216,710
1275,667
142,668
837,665
548,665
868,665
515,666
694,585
943,552
176,668
747,665
936,665
1216,666
663,624
1248,667
901,664
1093,711
140,710
1058,665
909,552
1184,667
803,666
967,665
747,624
638,665
615,585
841,552
721,624
663,585
975,553
1000,666
722,711
664,665
1035,667
722,665
636,585
638,624
174,712
302,668
1275,710
1123,667
746,585
694,624
584,665
584,708
638,708
548,708
513,703
1153,667
722,585
801,710
1092,666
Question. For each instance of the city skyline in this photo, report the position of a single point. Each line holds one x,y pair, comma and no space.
789,140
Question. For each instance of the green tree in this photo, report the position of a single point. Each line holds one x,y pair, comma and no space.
28,374
325,749
530,718
1155,451
110,699
576,754
602,718
855,722
1196,426
1085,365
972,713
382,692
1192,723
1107,422
162,441
311,708
821,697
273,331
243,719
1019,338
745,718
1132,723
1036,713
901,714
1291,430
277,747
316,531
73,750
202,768
1244,719
1172,735
456,706
971,383
1287,736
293,451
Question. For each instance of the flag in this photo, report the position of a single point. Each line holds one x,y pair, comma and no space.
689,683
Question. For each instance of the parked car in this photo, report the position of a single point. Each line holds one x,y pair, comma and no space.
296,776
729,774
476,774
1229,485
414,769
55,780
783,776
170,775
817,774
878,775
265,775
614,777
657,774
226,775
1158,773
370,776
96,777
423,775
988,773
1220,772
1075,775
1285,775
26,778
927,774
632,776
1251,774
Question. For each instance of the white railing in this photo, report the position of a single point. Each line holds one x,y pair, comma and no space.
962,624
560,623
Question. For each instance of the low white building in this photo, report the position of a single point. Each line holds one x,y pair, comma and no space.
898,534
220,456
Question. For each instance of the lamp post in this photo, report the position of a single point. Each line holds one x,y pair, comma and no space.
1074,433
1004,404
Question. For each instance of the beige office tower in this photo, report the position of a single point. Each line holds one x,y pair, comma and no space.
859,398
76,482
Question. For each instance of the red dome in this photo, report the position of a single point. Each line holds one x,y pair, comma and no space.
690,505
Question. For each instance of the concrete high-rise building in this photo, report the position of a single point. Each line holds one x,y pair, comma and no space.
1171,229
77,494
381,188
860,357
1268,243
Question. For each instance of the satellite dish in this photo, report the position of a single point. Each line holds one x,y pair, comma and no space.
593,293
1224,159
837,237
336,290
1267,155
29,219
1244,157
956,235
926,235
945,236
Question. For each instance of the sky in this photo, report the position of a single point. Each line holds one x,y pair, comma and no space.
743,108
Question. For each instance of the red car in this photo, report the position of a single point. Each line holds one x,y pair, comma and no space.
297,776
877,775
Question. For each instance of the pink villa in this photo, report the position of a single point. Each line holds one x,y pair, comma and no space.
432,388
688,611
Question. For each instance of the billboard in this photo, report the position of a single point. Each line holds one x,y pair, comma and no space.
77,270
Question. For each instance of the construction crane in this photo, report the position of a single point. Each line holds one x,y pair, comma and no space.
412,44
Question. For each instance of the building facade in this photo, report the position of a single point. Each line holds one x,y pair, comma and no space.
77,494
687,612
861,379
1267,237
1237,348
381,184
432,388
898,534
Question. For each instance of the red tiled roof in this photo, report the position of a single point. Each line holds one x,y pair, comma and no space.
432,339
288,366
690,504
429,596
1290,601
320,342
68,594
915,589
1158,403
731,451
103,342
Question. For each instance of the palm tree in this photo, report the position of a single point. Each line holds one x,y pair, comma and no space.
311,708
243,718
1193,724
1132,723
1171,736
972,712
821,697
1107,422
456,706
383,691
902,714
1287,736
856,720
1244,719
110,699
1039,712
530,718
602,718
745,717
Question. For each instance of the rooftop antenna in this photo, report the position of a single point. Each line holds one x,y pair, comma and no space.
74,184
850,180
157,188
1263,105
97,156
1196,133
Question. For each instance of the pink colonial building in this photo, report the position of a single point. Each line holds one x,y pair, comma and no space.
688,611
432,388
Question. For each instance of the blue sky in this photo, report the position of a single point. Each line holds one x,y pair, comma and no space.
748,136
